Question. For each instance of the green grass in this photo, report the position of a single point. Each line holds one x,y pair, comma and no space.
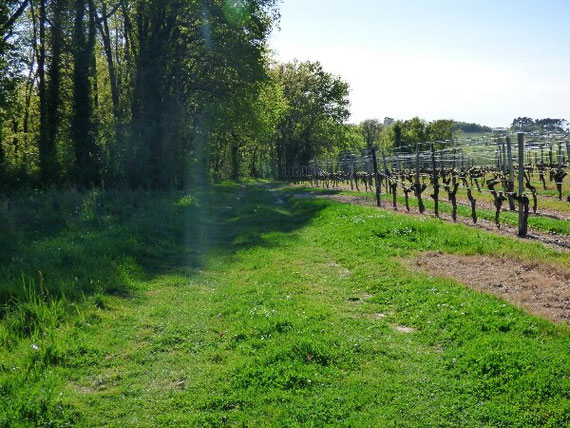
264,311
543,223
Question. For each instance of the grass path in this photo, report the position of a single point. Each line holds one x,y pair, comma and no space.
300,314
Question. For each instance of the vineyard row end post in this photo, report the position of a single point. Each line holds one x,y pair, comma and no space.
376,177
511,186
435,182
523,226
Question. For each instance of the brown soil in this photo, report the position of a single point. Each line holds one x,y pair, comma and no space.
487,205
539,289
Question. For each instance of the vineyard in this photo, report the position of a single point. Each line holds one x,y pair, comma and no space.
475,178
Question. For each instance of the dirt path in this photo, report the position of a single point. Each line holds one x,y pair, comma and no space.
540,290
489,206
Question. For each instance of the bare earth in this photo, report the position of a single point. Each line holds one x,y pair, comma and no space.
540,290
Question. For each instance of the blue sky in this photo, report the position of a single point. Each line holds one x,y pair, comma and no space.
478,61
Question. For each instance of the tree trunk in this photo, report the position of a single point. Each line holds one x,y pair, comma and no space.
45,152
86,159
106,37
53,93
235,159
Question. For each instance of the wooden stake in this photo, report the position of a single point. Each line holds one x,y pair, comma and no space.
376,178
435,182
511,185
523,221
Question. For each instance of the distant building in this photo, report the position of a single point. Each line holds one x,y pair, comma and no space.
500,130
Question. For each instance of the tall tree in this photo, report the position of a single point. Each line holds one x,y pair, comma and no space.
86,168
318,107
148,117
370,130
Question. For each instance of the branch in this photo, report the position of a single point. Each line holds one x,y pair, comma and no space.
15,16
107,16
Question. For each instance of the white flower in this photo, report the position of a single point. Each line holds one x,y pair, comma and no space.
35,347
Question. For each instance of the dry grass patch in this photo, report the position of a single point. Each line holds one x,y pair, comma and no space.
539,289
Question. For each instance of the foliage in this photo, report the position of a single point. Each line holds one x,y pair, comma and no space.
128,93
371,130
527,124
317,107
470,128
403,135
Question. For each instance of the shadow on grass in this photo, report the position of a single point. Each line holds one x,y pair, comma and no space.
72,245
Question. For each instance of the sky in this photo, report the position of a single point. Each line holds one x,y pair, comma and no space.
474,61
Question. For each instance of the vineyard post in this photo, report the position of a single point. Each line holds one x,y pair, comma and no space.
316,173
417,165
500,156
376,178
523,226
385,170
504,146
352,174
550,156
418,187
511,186
435,182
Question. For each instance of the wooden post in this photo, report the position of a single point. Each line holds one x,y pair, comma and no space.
417,165
386,178
418,187
376,178
511,186
504,157
523,221
500,156
435,182
550,158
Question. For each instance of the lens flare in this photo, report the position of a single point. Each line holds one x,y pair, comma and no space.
237,11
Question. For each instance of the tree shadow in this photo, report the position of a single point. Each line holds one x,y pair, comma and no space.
109,242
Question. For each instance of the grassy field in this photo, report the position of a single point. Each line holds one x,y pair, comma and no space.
243,306
537,222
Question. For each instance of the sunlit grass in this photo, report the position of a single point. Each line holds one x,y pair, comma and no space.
284,313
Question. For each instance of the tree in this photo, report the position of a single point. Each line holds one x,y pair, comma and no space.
149,93
370,129
415,131
470,127
523,124
317,109
10,12
440,130
86,168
